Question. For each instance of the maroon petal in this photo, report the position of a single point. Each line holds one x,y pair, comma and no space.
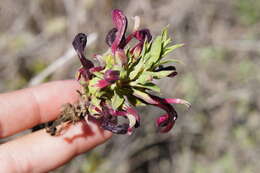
111,75
168,120
164,123
84,73
176,101
173,74
117,113
137,49
96,69
142,35
120,21
102,83
163,104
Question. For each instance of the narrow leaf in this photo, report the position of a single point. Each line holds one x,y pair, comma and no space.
150,86
171,48
143,78
161,74
135,101
137,69
144,96
117,100
155,52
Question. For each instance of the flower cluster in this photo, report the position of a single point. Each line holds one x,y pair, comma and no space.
125,77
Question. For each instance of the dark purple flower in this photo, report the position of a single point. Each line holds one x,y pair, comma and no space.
96,69
142,35
132,115
79,44
117,129
111,75
117,35
109,120
111,36
83,73
166,121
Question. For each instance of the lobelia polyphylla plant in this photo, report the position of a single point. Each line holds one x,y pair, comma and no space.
123,80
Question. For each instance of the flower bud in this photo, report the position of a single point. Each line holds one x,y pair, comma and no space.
111,75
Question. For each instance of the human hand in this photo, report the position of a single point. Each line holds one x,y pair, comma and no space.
39,151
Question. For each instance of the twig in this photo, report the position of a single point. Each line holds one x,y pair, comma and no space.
61,61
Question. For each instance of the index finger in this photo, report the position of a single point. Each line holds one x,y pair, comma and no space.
23,109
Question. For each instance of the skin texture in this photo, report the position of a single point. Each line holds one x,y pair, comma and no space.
38,151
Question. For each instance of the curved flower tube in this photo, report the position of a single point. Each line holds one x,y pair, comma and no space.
116,36
79,44
110,77
120,21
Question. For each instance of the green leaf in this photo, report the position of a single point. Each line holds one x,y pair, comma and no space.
161,74
146,48
135,101
95,101
117,100
137,69
123,74
155,52
165,33
150,86
144,96
92,88
101,93
166,40
109,60
168,61
98,74
167,50
143,78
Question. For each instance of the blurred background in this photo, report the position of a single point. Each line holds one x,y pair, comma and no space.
219,75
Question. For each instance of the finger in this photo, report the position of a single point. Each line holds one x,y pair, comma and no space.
23,109
40,152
